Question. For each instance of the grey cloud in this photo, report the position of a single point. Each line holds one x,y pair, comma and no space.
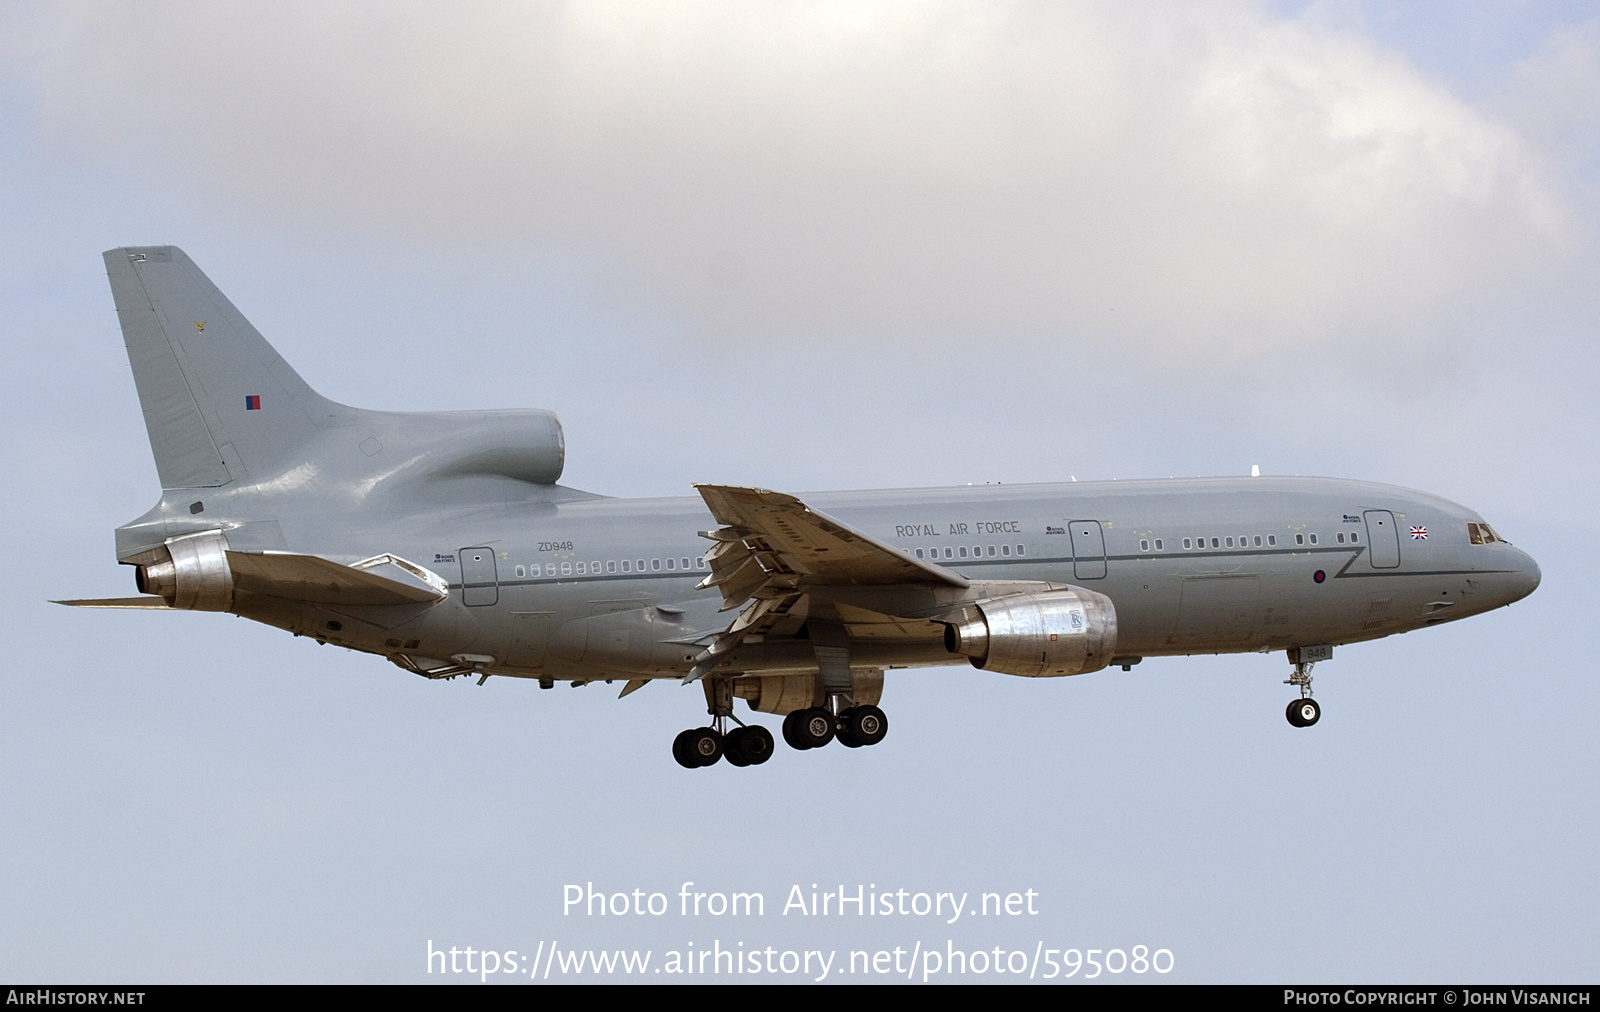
1208,181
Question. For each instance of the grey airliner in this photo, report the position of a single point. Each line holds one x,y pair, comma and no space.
444,542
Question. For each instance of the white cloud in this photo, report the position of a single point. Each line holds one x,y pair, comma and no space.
1202,179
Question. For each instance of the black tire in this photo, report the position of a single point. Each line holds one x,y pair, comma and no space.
815,727
866,725
680,750
733,747
705,746
845,733
791,730
756,745
1303,712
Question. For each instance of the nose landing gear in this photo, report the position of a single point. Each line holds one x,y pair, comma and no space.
1305,711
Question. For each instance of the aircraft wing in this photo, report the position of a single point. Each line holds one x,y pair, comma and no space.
770,541
772,548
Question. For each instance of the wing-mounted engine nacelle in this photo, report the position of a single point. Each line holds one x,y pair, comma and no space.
189,572
1058,632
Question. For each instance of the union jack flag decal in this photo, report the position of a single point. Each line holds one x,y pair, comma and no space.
1419,534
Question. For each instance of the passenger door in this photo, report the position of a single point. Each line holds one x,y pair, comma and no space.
479,583
1383,539
1088,549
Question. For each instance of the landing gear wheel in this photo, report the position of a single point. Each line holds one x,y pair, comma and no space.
813,728
862,725
845,734
704,746
791,730
752,745
733,747
1303,712
680,750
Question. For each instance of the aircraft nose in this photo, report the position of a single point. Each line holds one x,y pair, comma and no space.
1525,576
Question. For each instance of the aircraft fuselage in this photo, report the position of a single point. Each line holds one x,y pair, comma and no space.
596,588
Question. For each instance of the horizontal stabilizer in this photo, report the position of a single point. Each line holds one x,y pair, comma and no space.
146,603
385,579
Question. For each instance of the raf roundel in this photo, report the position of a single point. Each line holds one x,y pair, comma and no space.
1319,576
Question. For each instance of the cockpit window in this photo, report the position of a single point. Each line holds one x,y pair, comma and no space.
1483,534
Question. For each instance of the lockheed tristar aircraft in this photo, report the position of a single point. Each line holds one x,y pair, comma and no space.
443,542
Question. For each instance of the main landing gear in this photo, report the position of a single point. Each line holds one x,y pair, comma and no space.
745,745
855,727
1305,711
752,744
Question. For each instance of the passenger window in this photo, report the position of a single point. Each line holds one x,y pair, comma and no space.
1341,537
1313,539
1215,544
1258,541
1019,550
685,563
1230,542
655,564
625,568
522,571
640,564
1354,537
1005,549
1299,539
1186,544
1158,544
566,569
949,553
919,553
1144,545
991,551
700,563
611,567
963,551
1272,539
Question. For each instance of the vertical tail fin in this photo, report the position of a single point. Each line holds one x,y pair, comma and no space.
218,401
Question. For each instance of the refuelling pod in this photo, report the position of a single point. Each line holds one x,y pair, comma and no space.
190,572
1059,632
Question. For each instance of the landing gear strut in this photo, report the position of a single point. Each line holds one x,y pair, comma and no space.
1304,712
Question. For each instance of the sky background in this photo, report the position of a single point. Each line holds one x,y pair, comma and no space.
818,246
